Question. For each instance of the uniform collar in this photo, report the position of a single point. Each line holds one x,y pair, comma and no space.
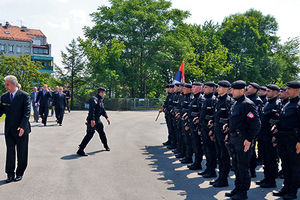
252,95
241,98
273,99
223,97
296,99
209,95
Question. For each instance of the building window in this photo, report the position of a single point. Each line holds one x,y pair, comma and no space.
10,48
2,48
18,49
40,51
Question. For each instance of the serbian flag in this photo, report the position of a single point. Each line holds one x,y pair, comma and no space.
179,78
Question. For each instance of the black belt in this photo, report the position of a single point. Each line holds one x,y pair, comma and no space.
194,114
235,134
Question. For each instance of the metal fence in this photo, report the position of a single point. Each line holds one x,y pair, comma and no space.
132,104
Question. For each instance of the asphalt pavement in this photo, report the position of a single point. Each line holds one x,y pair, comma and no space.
138,167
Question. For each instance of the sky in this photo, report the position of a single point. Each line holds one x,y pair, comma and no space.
63,20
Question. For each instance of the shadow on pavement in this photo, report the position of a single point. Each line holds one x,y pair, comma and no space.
188,183
2,182
75,156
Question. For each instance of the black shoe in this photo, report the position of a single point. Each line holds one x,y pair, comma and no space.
214,181
45,124
260,182
195,167
179,156
166,143
203,172
60,124
268,185
210,175
290,196
232,193
221,183
80,152
107,149
280,193
240,196
186,161
18,178
9,179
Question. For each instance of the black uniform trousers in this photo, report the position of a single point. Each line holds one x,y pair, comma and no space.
222,153
171,133
197,148
269,153
209,151
240,163
59,114
180,137
253,160
290,162
44,111
90,133
188,145
15,142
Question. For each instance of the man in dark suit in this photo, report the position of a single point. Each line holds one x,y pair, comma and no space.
35,108
15,104
68,97
43,98
60,104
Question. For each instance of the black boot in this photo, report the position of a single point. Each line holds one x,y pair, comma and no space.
80,152
222,182
240,196
232,193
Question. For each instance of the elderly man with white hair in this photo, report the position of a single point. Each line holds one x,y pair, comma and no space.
15,104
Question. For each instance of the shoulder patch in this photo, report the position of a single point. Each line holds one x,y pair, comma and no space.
250,115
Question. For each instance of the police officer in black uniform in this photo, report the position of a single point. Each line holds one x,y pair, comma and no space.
262,93
174,111
221,117
96,110
194,112
251,93
186,126
283,96
269,117
206,114
288,131
244,125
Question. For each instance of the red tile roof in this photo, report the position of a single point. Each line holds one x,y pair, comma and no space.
16,33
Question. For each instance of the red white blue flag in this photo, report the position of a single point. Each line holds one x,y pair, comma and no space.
179,78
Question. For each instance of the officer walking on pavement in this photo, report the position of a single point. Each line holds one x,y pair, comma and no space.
96,110
244,125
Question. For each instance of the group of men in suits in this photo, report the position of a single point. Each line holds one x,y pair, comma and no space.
41,101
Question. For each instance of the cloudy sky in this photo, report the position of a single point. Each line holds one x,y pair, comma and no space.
62,20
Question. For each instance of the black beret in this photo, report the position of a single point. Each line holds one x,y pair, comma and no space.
273,87
181,84
283,88
224,83
171,85
101,89
210,84
255,85
167,86
240,84
293,84
197,83
263,88
186,85
177,84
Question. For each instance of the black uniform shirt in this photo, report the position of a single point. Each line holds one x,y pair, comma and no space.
244,118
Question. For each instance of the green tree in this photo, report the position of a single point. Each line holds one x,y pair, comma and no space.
74,67
140,25
26,71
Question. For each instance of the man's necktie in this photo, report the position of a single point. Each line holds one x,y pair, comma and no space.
11,97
